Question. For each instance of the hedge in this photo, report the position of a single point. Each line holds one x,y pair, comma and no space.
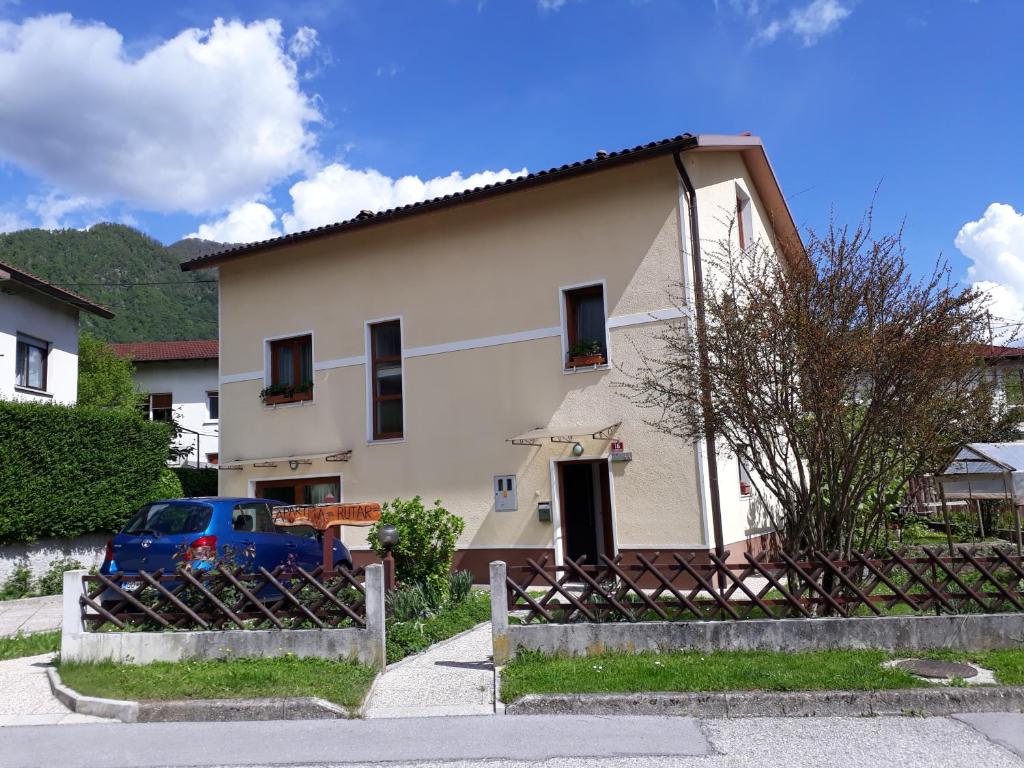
197,482
67,471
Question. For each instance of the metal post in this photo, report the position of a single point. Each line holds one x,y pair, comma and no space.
1016,507
389,571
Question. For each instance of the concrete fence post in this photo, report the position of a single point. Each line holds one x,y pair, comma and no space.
499,614
376,615
72,627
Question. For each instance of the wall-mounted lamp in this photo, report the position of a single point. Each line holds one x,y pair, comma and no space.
293,464
577,449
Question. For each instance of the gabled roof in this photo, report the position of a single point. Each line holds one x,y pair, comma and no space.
20,276
749,146
994,353
152,351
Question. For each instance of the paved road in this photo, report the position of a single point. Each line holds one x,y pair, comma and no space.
551,742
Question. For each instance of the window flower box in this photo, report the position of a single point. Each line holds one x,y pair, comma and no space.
583,361
282,394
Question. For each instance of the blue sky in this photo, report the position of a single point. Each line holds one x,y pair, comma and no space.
290,113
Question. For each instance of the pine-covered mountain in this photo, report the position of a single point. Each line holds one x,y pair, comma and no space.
138,277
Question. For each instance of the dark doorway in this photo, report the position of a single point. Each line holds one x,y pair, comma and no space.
586,510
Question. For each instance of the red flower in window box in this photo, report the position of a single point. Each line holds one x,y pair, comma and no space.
278,394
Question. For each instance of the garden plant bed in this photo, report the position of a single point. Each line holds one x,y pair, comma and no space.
407,637
344,683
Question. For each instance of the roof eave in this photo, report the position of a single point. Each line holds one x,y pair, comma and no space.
53,292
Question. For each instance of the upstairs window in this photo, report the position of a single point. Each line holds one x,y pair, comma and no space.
585,327
291,371
1013,386
213,405
160,407
30,363
386,380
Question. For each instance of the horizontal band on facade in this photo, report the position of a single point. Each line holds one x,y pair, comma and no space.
619,321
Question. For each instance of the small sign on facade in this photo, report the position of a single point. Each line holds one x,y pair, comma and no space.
617,446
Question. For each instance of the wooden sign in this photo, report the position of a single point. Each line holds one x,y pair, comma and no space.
322,516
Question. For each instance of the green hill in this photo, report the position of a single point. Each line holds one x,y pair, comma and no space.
160,301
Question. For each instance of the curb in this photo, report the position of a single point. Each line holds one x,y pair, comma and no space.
199,710
907,701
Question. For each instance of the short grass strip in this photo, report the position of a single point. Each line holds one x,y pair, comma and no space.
342,682
408,637
29,645
695,671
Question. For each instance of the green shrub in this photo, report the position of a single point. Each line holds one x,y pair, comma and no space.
52,582
426,541
197,482
408,603
167,487
406,637
68,471
18,584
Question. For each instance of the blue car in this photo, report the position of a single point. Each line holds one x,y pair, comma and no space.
201,531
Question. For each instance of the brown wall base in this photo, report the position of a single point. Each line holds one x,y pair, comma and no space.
478,561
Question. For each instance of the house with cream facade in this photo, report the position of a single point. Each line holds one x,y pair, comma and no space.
468,349
39,338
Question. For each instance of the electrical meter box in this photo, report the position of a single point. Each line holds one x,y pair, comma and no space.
505,493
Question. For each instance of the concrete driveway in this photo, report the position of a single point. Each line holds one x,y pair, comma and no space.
30,615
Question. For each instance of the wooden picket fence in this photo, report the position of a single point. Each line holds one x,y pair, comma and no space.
678,588
225,598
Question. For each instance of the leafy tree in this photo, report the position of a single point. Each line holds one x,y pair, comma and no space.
835,378
104,379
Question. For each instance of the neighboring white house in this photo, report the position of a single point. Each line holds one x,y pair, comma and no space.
39,337
181,378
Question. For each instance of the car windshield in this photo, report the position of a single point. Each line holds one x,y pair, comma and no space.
165,518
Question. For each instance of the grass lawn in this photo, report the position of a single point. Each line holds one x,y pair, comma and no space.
342,682
408,637
729,671
29,645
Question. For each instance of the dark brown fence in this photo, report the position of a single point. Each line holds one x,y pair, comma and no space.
677,588
225,598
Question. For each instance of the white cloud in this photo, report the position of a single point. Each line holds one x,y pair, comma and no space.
338,192
247,223
550,5
11,222
52,208
303,43
810,23
198,123
995,245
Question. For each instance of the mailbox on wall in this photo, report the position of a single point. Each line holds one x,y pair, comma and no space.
505,493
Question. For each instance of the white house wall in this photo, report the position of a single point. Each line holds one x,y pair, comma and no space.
47,320
188,382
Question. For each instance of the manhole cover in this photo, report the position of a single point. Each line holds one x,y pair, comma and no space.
937,669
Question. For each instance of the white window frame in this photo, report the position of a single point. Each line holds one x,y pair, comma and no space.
562,320
209,416
33,341
744,218
267,357
368,365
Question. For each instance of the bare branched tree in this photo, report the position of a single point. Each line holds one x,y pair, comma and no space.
834,379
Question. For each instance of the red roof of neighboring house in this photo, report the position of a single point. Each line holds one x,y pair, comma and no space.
18,275
149,351
994,352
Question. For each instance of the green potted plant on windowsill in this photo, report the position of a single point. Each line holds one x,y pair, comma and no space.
585,353
278,394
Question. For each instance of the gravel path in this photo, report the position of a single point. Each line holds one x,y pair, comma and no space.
454,677
25,697
33,614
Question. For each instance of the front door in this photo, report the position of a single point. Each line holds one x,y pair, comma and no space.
585,503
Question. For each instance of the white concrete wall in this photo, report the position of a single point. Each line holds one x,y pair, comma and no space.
48,320
188,382
88,550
